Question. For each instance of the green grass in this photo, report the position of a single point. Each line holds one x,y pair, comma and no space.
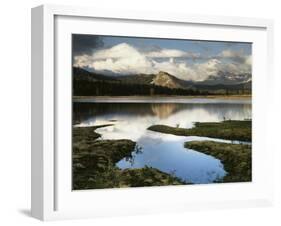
94,163
236,158
114,177
84,135
230,130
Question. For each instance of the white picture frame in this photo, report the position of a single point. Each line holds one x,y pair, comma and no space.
51,196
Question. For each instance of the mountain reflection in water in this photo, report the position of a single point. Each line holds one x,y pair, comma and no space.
162,151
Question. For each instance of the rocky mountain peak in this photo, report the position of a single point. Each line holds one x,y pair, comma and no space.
166,80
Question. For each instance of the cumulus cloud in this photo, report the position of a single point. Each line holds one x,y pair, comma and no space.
168,53
124,59
124,50
236,56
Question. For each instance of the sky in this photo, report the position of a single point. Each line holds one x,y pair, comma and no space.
195,60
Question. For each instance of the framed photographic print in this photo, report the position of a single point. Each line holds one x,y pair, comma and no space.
137,112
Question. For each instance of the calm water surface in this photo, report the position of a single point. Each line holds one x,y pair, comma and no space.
162,151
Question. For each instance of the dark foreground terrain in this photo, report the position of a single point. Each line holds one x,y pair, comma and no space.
94,163
236,158
229,130
94,160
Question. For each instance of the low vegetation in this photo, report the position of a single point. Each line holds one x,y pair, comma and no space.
94,163
85,135
94,159
229,129
114,177
236,158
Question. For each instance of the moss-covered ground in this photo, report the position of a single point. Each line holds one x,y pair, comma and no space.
230,130
236,158
94,163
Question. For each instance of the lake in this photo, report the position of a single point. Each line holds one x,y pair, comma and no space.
132,117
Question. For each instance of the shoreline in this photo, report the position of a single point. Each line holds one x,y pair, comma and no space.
236,158
242,99
239,130
166,97
94,163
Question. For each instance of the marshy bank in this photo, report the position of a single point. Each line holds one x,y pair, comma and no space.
240,130
94,163
236,158
122,152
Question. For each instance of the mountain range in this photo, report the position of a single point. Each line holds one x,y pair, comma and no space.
222,83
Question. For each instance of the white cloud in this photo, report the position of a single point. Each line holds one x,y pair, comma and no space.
168,53
124,50
237,56
248,60
126,59
228,53
135,64
83,61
